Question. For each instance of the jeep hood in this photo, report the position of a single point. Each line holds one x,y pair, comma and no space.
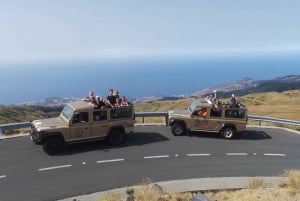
55,122
178,113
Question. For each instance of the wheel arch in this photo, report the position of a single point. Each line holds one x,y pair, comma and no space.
113,128
178,121
46,136
228,126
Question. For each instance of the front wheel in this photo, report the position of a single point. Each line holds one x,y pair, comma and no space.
53,145
228,132
178,129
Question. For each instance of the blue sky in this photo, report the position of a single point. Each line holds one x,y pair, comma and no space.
68,30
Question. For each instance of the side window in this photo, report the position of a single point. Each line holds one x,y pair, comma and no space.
215,112
202,112
81,117
123,112
100,115
235,113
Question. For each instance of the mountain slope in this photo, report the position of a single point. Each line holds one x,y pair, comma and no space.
248,85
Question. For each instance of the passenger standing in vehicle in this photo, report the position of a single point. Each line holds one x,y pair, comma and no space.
212,97
100,104
111,99
233,101
118,102
124,101
116,94
91,98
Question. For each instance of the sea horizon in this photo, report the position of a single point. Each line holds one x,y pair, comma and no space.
135,78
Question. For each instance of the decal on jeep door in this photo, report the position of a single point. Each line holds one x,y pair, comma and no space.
78,132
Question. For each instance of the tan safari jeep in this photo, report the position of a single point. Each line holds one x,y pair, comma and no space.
202,115
79,121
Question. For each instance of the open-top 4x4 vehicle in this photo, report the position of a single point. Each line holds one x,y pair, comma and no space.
79,121
201,115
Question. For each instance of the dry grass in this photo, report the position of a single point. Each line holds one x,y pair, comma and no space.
273,104
293,179
269,194
17,131
259,190
111,197
163,106
256,190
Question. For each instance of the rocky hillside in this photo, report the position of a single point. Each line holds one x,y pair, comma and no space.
12,114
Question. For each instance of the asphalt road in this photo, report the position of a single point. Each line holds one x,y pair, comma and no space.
152,152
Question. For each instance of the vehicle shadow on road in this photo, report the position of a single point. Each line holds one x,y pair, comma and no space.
247,135
254,135
133,139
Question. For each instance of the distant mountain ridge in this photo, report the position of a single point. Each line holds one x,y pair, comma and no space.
239,87
228,87
248,85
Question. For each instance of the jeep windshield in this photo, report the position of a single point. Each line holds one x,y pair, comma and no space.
67,112
192,107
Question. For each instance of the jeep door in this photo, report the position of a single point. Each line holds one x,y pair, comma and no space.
100,124
199,122
216,121
80,127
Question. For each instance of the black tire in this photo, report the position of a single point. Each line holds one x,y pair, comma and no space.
116,137
228,133
178,129
53,145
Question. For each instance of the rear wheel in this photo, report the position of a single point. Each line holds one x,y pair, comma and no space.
116,137
178,129
53,145
228,132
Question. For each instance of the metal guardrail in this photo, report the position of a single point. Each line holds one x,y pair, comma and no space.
151,114
273,120
13,126
260,119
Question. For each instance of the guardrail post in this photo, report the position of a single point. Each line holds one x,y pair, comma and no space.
143,119
259,122
166,118
1,133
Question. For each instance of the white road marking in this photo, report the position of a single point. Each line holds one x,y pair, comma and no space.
2,176
113,160
83,163
55,167
176,155
236,154
275,154
198,154
254,154
163,156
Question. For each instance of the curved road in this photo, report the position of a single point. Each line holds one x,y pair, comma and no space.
152,152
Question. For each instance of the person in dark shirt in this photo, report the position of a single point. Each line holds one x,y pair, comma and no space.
116,94
233,101
111,99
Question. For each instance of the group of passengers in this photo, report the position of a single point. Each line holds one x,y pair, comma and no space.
113,100
218,104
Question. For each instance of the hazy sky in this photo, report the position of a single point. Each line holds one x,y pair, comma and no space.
56,30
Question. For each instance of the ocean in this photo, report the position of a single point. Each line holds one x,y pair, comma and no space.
135,77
